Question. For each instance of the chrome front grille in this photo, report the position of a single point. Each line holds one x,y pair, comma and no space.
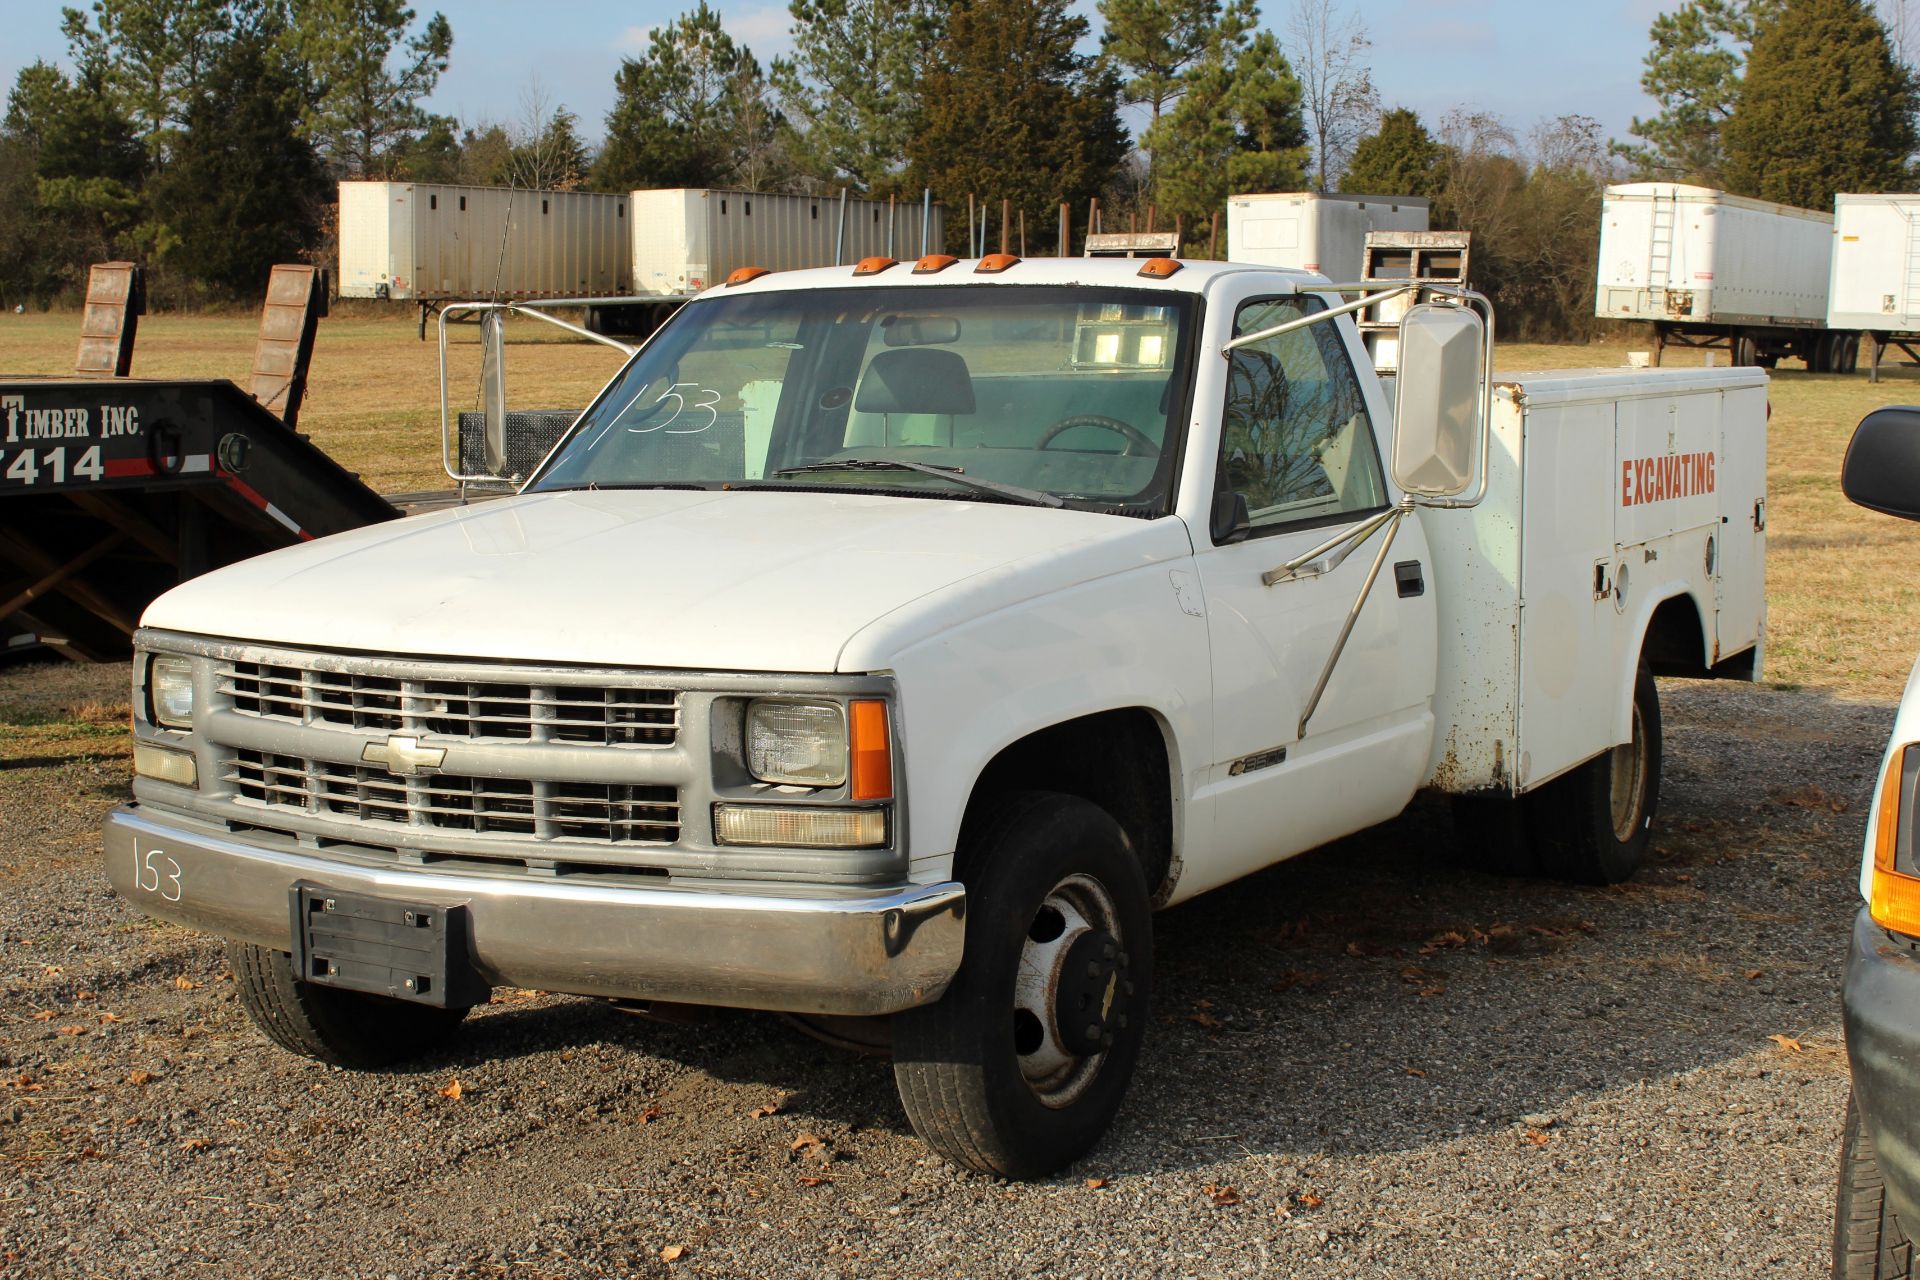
476,709
616,813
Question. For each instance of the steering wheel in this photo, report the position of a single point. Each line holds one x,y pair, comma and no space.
1138,445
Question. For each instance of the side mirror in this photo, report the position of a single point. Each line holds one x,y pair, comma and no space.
493,388
1437,400
1229,520
1882,468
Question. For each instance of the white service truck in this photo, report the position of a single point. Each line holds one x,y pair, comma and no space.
887,642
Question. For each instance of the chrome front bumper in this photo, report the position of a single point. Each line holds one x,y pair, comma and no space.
875,953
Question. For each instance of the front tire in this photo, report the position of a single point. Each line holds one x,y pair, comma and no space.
1868,1243
1020,1067
328,1024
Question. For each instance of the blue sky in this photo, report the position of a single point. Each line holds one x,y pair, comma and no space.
1524,60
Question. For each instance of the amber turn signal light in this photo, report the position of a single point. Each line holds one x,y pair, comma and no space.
1894,902
871,750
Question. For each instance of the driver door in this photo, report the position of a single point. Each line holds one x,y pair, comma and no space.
1298,442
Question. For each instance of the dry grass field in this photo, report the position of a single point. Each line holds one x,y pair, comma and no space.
1844,584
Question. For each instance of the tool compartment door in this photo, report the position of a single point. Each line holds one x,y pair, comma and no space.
1740,552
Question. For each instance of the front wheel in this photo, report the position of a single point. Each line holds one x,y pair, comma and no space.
343,1028
1868,1243
1593,825
1020,1067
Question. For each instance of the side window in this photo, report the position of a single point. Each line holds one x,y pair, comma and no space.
1296,442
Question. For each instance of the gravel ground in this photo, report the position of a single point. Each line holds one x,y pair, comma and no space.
1364,1063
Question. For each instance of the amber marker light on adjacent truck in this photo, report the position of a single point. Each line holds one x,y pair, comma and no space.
871,749
1895,899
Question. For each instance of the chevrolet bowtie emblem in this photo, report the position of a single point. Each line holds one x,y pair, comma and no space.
404,757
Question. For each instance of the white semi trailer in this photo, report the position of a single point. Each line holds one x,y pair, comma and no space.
1876,274
1309,231
685,239
1712,270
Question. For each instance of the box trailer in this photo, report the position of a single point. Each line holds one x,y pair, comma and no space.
1712,270
1315,232
1876,274
430,243
685,238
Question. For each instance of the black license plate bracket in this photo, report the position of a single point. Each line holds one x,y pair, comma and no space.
414,951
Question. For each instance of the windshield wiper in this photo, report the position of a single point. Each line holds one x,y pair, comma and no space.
1032,497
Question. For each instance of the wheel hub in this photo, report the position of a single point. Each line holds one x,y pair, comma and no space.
1091,995
1071,994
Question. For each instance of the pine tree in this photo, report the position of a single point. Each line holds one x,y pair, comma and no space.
1399,159
851,92
1238,127
1155,43
1825,107
1010,111
673,120
243,187
1693,71
365,78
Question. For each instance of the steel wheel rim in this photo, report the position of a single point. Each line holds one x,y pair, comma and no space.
1082,905
1629,782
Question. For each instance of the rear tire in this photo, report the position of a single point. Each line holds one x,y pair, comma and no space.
1868,1243
1020,1067
343,1028
1746,352
1592,825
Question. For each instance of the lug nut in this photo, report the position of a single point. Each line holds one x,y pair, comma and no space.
1093,1031
1093,968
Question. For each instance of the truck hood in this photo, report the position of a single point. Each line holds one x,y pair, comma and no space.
651,578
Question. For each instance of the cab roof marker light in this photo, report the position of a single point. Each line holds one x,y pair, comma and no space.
873,266
994,263
1160,268
743,275
933,264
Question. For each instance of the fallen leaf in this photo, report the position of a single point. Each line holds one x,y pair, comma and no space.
109,1017
1415,1071
1430,992
1094,1184
1810,796
185,983
1414,973
73,1031
83,995
1353,949
1221,1196
673,1253
45,1015
1536,1137
807,1180
196,1144
1787,1043
764,1110
452,1091
1441,941
51,970
1308,1200
1754,975
141,1077
652,1113
1206,1020
807,1142
25,1084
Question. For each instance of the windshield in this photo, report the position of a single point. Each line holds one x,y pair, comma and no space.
995,393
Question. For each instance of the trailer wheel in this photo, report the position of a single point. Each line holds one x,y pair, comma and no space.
1592,825
1868,1243
1850,354
1019,1068
1746,352
343,1028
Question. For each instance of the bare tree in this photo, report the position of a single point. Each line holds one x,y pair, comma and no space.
1329,55
546,151
1903,27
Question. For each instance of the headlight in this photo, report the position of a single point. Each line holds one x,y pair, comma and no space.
801,743
170,692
